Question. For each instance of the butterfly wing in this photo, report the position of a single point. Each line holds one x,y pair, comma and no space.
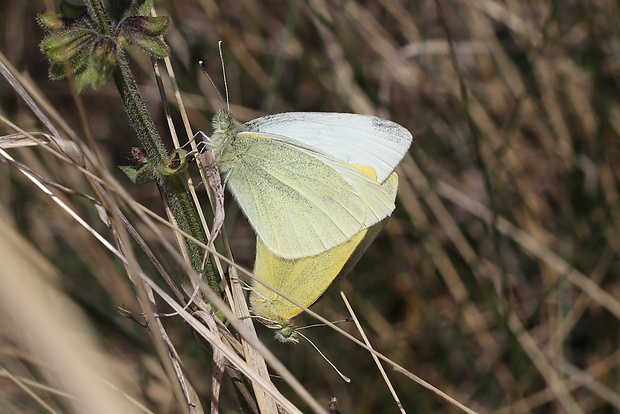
303,280
299,204
351,138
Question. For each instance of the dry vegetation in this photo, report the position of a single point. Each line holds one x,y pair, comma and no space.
496,279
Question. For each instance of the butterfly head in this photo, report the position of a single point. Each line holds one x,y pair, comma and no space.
225,127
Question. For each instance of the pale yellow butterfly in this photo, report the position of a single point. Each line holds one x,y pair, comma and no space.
294,175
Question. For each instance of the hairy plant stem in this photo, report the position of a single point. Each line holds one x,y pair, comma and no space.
171,186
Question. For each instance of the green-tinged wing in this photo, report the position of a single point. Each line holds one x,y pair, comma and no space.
299,204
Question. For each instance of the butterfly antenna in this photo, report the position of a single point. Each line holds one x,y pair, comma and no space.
204,70
316,325
344,377
219,44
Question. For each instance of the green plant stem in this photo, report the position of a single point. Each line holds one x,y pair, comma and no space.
97,12
171,186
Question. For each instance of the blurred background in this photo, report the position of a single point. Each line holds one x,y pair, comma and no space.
497,277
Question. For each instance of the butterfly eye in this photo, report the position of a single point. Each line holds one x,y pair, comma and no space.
225,122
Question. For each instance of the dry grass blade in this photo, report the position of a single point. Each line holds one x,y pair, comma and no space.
379,366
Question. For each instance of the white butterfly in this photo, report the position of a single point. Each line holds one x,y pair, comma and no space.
296,175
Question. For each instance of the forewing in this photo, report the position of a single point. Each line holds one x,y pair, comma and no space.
351,138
